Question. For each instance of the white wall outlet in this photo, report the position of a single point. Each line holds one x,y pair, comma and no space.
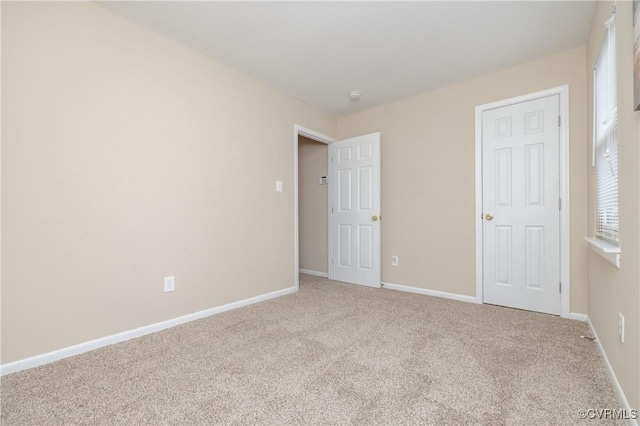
278,186
169,284
621,327
394,260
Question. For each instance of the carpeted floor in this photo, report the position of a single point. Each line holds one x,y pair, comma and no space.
332,353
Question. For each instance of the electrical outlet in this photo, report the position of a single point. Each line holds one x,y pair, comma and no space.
621,327
169,284
394,260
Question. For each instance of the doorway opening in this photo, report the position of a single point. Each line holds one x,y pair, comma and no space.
311,196
353,196
313,205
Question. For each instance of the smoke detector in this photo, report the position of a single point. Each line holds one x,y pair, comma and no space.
354,95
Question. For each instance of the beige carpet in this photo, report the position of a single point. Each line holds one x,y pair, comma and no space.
332,353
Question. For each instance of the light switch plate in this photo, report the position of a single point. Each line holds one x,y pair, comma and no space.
278,186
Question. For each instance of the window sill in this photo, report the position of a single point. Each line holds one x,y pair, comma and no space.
605,249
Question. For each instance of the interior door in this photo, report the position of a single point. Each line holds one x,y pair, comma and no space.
355,210
521,187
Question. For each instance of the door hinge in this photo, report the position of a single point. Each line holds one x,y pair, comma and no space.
559,203
332,261
560,286
559,121
331,209
332,159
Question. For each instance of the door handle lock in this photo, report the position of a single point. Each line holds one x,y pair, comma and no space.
374,218
489,216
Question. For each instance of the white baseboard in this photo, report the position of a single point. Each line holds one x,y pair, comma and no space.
622,399
47,358
577,317
316,273
418,290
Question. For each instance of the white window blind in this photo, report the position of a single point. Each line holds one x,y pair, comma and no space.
605,135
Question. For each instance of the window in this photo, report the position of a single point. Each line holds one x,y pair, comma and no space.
605,137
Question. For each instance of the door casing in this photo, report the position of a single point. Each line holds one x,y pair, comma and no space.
565,276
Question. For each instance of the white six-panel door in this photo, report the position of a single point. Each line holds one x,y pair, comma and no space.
355,210
521,222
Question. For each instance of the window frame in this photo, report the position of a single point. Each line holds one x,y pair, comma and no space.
606,132
602,244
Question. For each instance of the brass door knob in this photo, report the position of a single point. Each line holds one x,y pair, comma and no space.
374,218
489,216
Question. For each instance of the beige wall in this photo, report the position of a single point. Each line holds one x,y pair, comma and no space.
613,290
313,205
428,175
126,158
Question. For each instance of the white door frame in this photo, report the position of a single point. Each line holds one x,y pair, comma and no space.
563,92
318,137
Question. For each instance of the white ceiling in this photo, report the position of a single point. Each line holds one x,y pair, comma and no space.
319,51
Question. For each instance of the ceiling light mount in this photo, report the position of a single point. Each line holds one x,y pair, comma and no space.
354,95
